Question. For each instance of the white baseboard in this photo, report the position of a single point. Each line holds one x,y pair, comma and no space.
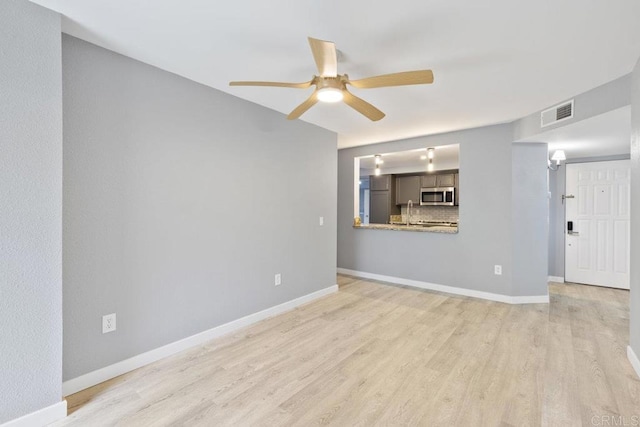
556,279
40,418
529,299
96,377
534,299
635,362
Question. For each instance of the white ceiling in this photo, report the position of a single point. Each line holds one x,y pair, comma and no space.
493,61
604,135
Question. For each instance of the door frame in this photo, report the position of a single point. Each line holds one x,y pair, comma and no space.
367,194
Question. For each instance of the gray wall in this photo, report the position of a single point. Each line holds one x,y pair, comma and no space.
557,180
180,204
607,97
530,223
463,260
30,209
635,209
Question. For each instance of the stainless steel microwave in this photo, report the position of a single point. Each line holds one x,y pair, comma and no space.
439,196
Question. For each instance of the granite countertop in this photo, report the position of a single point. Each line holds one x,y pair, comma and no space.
418,228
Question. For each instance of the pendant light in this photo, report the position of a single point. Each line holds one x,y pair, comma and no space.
379,161
430,153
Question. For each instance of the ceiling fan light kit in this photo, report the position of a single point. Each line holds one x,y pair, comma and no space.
330,94
332,87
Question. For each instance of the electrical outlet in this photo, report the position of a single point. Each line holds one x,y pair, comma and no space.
278,279
497,270
321,220
108,323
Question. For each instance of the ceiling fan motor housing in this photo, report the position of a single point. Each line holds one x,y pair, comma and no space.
332,82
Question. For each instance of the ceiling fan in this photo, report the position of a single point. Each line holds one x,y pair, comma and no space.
332,87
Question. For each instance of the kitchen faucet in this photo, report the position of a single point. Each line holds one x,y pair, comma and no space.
409,206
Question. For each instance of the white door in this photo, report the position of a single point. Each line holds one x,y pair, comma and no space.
597,203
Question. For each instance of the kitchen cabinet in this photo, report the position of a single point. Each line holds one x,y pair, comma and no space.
379,207
380,183
428,181
440,180
446,180
382,199
408,188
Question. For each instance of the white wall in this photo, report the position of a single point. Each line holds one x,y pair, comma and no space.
30,209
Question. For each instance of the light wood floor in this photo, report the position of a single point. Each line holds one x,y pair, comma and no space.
380,354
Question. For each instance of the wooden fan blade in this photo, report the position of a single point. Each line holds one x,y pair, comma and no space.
394,79
276,84
362,106
302,108
324,53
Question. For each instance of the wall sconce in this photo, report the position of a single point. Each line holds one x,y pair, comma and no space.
558,156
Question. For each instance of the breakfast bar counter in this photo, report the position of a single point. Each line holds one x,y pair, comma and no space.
415,228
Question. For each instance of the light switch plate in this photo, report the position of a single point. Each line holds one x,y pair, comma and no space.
321,220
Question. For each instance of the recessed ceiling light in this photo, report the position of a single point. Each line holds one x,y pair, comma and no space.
423,157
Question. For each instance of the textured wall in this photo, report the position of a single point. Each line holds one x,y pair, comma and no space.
635,209
463,260
180,204
30,209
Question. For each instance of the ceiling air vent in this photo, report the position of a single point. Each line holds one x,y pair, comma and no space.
557,114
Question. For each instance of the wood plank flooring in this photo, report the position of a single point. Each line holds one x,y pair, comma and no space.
382,354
